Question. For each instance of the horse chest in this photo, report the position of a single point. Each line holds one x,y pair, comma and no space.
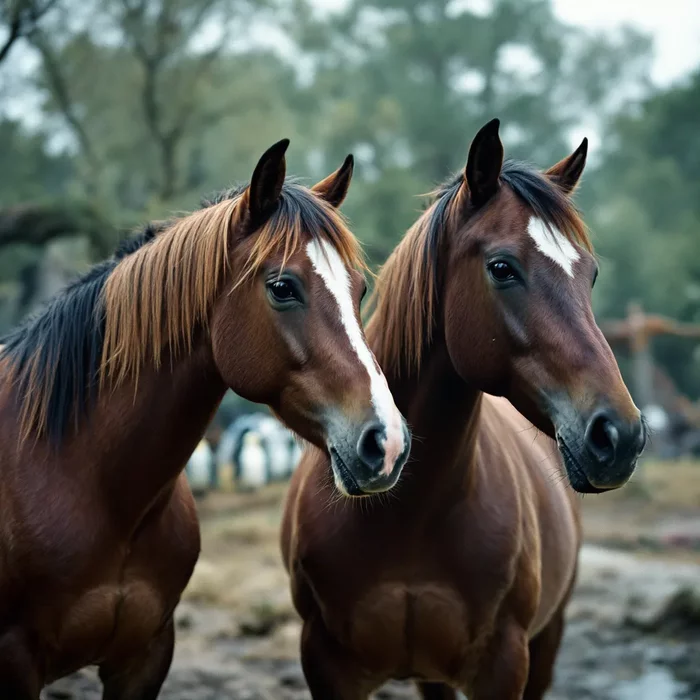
102,597
421,610
417,629
104,619
141,610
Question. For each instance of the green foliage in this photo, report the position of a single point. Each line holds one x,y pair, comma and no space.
644,203
29,171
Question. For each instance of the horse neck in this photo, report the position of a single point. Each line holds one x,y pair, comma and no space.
140,436
443,413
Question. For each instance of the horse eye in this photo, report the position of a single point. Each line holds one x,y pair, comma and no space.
501,271
282,291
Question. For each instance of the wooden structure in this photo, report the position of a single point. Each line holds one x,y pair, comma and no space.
637,330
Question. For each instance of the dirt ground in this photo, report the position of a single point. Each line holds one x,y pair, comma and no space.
633,629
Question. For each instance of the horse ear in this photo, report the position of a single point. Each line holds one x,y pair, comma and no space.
266,183
484,163
566,173
335,187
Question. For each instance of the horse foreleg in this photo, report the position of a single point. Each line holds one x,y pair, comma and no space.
503,670
19,674
329,673
141,677
543,654
436,691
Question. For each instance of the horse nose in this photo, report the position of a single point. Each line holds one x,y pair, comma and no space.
613,446
603,438
370,446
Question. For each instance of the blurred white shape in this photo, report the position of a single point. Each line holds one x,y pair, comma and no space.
198,468
656,418
252,463
279,452
296,454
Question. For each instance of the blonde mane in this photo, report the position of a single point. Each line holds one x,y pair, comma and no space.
155,298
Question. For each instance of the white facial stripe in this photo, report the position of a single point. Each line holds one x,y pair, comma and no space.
329,266
553,244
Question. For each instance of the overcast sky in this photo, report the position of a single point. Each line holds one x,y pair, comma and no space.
674,24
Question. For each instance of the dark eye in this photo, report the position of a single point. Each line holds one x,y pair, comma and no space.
501,271
282,292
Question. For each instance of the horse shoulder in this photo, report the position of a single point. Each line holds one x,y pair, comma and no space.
550,522
296,534
289,518
157,569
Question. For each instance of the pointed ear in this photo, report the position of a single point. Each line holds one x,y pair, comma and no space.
335,187
484,163
566,173
266,183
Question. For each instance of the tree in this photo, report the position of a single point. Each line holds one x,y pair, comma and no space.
38,225
644,204
19,18
407,83
137,101
159,35
30,172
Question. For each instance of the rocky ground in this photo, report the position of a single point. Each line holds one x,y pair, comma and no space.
633,628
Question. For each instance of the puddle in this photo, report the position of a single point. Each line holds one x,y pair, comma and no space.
656,684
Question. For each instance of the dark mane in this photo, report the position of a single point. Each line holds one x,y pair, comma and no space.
59,356
58,348
406,292
133,243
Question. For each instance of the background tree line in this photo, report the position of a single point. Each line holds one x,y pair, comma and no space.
120,111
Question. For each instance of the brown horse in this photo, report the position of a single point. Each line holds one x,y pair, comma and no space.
459,579
108,391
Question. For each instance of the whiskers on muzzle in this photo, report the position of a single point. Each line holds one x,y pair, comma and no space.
600,450
372,462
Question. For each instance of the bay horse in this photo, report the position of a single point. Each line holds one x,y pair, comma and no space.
107,392
459,577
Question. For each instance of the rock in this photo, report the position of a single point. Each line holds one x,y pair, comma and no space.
205,622
292,678
206,582
262,619
679,613
283,644
183,620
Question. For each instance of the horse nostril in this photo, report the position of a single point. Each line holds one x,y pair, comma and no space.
643,435
602,438
370,446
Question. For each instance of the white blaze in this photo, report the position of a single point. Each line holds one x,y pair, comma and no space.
553,244
330,267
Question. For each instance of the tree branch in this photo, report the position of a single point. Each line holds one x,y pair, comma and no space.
23,19
186,110
154,45
15,33
60,91
38,225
